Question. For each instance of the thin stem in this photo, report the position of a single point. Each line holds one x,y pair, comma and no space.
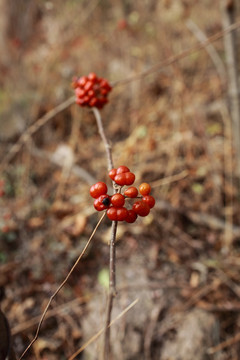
60,287
32,129
187,52
112,260
94,337
112,290
112,263
107,145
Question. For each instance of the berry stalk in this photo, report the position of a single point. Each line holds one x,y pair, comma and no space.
112,256
107,145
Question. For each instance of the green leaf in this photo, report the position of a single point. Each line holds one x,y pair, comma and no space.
197,188
103,277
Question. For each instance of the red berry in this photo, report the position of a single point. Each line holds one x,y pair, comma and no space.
90,94
102,202
120,179
104,91
131,192
112,173
80,92
112,213
92,76
132,216
141,208
74,83
88,86
93,101
103,100
148,199
129,178
122,213
122,169
144,189
118,200
105,84
117,214
80,101
86,99
82,81
100,188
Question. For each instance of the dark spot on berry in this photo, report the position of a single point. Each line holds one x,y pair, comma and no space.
106,201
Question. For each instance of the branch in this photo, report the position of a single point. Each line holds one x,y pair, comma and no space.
112,260
112,290
233,76
32,129
108,147
102,330
161,65
60,287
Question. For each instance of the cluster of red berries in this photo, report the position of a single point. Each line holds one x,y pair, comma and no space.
2,185
91,91
116,211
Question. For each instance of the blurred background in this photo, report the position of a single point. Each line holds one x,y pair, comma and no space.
172,128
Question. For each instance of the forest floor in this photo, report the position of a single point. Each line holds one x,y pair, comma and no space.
172,129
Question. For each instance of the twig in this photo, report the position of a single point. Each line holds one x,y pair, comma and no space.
228,162
217,61
233,76
149,333
112,260
76,169
170,179
61,286
224,344
161,65
108,147
28,324
102,330
112,290
228,177
206,289
33,128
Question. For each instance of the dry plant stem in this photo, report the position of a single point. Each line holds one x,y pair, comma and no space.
112,291
170,179
161,65
33,128
93,338
61,286
112,260
224,344
233,77
108,147
61,309
217,61
228,162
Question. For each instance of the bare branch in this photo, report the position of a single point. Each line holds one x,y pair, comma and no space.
108,147
61,286
102,330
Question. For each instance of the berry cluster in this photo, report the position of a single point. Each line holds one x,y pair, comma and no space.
116,211
91,91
